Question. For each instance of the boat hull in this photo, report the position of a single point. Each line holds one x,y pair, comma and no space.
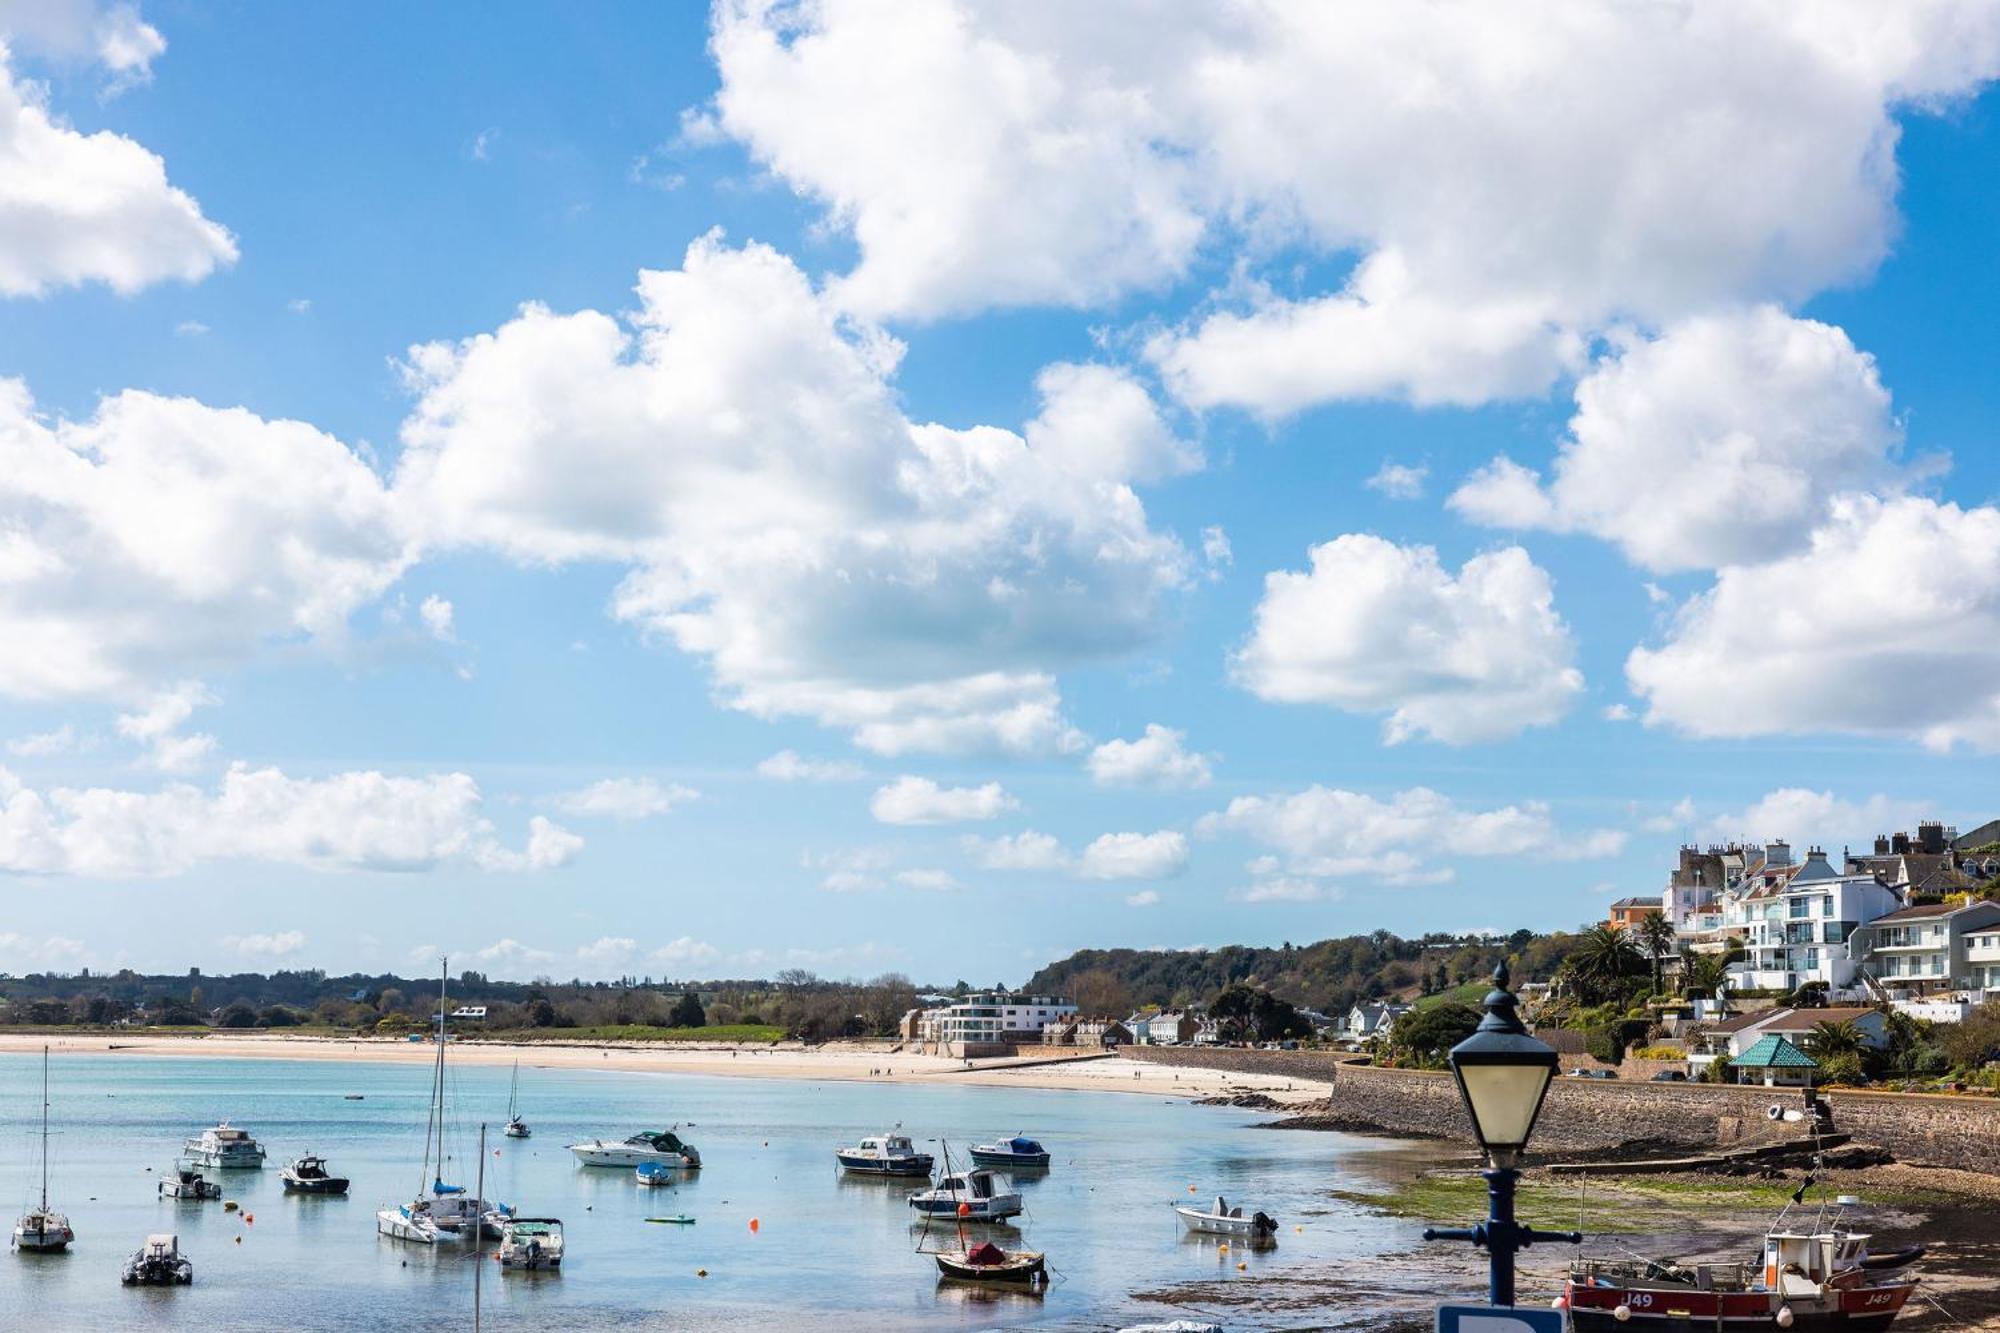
1011,1161
178,1274
1208,1224
977,1210
399,1224
920,1165
516,1130
1853,1309
330,1185
52,1240
200,1189
1021,1269
622,1155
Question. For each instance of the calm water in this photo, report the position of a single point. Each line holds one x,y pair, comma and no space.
829,1250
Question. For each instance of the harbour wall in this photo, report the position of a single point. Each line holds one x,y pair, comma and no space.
1589,1115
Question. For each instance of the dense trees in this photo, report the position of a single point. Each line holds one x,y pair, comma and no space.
1602,965
1250,1013
688,1013
1424,1036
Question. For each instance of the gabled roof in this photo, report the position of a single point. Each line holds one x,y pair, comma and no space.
1742,1021
1805,1020
1635,902
1774,1052
1932,911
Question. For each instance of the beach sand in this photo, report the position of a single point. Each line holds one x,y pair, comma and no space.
840,1061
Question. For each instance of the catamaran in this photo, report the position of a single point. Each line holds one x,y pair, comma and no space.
42,1230
517,1128
439,1211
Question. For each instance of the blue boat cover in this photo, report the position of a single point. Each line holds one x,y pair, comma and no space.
1025,1145
439,1187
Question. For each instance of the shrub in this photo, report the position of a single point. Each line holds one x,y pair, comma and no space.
1843,1068
1659,1053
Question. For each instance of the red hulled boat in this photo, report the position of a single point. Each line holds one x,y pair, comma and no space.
1819,1278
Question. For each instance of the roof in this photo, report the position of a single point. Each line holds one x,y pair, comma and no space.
1775,1052
1928,911
1805,1020
1741,1021
1635,902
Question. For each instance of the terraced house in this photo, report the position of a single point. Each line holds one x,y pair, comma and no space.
1930,947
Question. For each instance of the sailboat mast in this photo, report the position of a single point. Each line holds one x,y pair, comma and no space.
45,1128
444,975
479,1228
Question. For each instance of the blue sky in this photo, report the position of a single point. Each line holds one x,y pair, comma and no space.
388,567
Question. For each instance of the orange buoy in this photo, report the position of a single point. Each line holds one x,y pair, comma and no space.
965,1210
753,1224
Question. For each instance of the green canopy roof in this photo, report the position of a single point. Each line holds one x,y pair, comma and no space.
1774,1052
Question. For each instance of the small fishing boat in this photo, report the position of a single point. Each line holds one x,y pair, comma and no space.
884,1155
1219,1219
1017,1153
987,1262
309,1175
187,1182
158,1263
661,1146
677,1220
530,1244
971,1196
1816,1278
225,1148
43,1230
517,1128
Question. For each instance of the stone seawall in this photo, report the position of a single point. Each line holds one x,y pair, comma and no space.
1582,1116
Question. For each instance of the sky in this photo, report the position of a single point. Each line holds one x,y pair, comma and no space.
934,486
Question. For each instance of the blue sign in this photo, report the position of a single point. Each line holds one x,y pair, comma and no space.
1498,1319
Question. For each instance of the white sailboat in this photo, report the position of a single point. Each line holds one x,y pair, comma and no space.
517,1128
43,1230
439,1211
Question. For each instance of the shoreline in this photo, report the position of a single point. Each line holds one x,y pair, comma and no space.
866,1062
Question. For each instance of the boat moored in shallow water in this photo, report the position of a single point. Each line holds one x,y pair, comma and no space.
308,1175
187,1182
660,1146
988,1263
530,1244
884,1155
1219,1219
1018,1153
971,1196
225,1148
158,1263
43,1230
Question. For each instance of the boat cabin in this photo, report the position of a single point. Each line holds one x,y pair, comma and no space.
969,1185
1799,1263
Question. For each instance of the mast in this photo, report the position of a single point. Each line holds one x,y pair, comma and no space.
479,1228
513,1091
45,1127
444,975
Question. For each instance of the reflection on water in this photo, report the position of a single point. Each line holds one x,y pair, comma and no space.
827,1245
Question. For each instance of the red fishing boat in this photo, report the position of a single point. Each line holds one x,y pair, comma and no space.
1819,1277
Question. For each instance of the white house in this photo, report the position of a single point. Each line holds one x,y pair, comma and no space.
1733,1036
1373,1019
1928,948
987,1021
1801,927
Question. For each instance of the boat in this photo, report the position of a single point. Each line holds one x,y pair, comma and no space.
517,1128
653,1174
1219,1219
43,1230
971,1196
661,1146
884,1155
529,1244
1818,1277
439,1211
988,1263
158,1263
1019,1153
225,1148
187,1182
308,1175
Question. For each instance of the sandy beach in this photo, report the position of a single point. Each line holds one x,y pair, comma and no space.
841,1061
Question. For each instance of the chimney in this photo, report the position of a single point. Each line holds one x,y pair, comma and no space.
1930,836
1881,844
1778,853
1900,844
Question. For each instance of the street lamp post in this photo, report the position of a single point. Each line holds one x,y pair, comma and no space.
1503,1073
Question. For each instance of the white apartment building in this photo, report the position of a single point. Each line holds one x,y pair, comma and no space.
989,1020
1930,947
1801,927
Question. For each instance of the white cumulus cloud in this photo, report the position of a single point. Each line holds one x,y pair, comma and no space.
1375,627
280,944
1134,856
1159,758
791,766
349,821
625,798
737,445
915,800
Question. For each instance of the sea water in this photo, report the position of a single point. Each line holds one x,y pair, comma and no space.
826,1250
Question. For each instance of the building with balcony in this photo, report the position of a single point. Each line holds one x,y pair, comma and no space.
1799,927
1929,947
989,1023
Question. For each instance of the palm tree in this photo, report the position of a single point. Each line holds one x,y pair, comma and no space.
1656,937
1602,958
1827,1040
1706,972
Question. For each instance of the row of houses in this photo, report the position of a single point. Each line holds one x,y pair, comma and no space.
1900,923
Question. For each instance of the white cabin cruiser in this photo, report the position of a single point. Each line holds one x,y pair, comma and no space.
187,1182
531,1244
225,1148
884,1155
1219,1219
970,1196
651,1145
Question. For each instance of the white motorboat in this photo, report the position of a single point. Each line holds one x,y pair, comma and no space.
970,1196
1016,1154
517,1128
439,1211
1221,1220
662,1146
43,1230
529,1244
884,1155
187,1182
225,1148
158,1263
